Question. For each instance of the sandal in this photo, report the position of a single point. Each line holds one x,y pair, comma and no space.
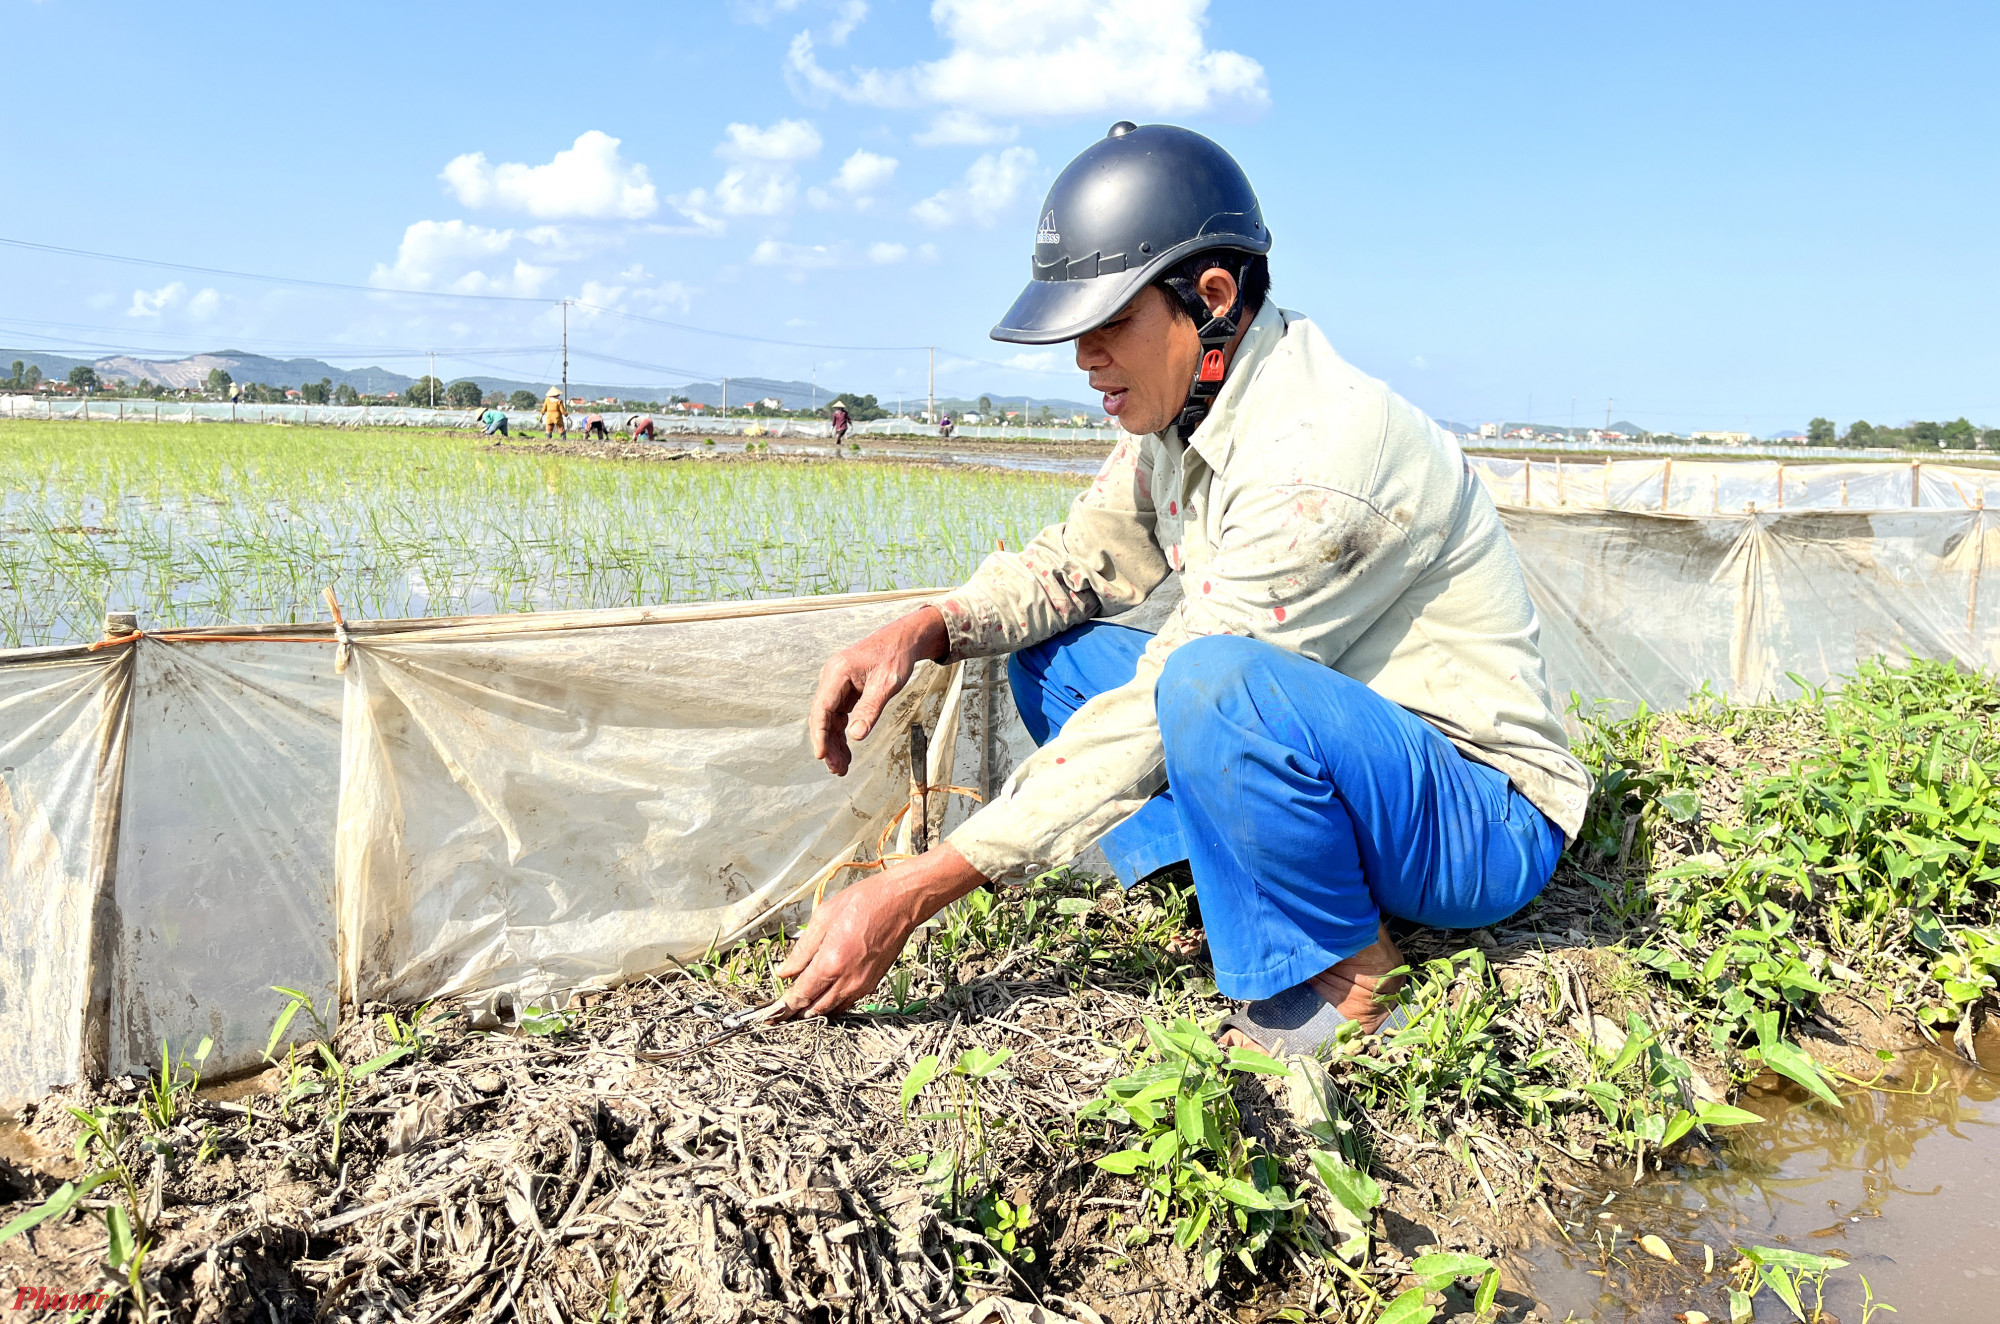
1299,1020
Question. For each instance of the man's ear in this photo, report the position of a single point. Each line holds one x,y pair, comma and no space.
1217,289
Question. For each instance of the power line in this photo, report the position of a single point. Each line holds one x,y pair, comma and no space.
253,275
351,287
758,340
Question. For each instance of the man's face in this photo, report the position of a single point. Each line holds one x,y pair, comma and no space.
1143,360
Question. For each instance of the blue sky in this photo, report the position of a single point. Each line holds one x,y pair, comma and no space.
1720,216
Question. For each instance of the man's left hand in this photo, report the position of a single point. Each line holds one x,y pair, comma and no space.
857,934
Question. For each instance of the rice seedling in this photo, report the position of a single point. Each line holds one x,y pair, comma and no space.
200,526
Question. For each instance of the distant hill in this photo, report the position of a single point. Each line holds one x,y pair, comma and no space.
52,365
1576,433
242,366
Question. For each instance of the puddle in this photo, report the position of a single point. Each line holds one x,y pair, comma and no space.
1904,1180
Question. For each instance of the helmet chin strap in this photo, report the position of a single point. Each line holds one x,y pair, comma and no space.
1213,370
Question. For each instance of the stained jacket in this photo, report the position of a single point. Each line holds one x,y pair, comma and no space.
1314,509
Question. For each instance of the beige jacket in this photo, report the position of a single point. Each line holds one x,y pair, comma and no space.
1314,509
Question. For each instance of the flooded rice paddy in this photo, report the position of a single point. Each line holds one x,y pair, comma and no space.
247,524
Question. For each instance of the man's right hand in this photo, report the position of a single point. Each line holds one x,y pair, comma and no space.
857,683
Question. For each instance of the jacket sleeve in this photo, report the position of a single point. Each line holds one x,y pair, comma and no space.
1103,556
1287,554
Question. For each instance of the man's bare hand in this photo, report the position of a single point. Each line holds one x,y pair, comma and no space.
858,682
857,934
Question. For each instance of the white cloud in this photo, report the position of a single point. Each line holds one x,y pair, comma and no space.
1040,360
795,257
749,192
864,172
635,288
152,304
588,179
860,175
763,182
990,184
787,140
1053,58
964,128
467,259
884,253
847,16
204,305
761,12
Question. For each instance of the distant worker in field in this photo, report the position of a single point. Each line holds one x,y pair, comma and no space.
494,420
841,423
1346,717
944,428
594,429
554,414
641,426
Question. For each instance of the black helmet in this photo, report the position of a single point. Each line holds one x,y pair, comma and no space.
1133,205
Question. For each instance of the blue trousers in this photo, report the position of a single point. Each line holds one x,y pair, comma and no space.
1306,805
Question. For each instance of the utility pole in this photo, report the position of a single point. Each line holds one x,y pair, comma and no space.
565,380
1607,414
725,397
433,388
815,388
930,391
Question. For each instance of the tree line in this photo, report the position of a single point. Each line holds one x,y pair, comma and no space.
1957,435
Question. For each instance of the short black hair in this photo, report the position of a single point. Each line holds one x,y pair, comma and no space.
1252,272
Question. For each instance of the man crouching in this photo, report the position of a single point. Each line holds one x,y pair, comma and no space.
1346,717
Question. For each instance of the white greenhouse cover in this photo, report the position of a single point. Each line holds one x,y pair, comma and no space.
527,804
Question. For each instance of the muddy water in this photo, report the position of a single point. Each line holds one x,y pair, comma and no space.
1904,1179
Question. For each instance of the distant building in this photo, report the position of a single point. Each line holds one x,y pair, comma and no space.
1727,438
1489,431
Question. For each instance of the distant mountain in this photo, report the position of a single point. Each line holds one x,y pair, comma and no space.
242,366
52,365
1575,434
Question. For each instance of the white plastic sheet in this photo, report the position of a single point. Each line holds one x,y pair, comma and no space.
53,756
1731,487
224,880
547,810
1648,608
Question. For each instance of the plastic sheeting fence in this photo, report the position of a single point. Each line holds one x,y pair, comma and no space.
527,804
1665,485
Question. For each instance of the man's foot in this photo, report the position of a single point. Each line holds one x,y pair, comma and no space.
1357,988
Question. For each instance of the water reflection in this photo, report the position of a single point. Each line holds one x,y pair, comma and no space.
1904,1179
